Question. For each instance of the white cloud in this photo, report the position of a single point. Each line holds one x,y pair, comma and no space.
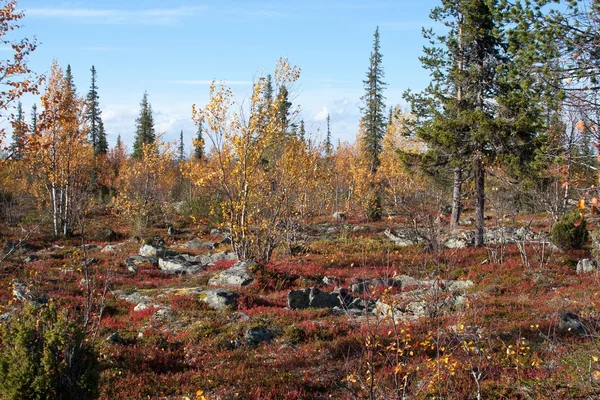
165,16
322,114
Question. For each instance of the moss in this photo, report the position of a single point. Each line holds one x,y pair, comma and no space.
569,232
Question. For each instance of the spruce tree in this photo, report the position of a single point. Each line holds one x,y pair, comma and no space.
144,133
302,131
284,109
34,119
373,118
93,118
181,148
18,134
328,145
199,143
373,121
475,110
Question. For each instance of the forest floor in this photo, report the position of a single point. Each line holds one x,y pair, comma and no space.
462,323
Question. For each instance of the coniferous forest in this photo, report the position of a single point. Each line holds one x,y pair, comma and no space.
448,252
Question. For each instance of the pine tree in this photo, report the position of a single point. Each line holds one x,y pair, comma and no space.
181,148
69,79
199,143
285,107
476,109
144,127
302,131
34,119
328,145
269,90
18,135
93,118
119,144
373,121
373,109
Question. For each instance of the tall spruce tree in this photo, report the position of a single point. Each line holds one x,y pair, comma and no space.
328,144
373,122
199,143
285,106
18,134
144,132
373,108
94,119
181,148
34,119
478,106
302,131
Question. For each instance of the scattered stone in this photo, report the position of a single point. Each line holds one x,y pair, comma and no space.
456,285
238,275
216,232
299,299
91,261
196,243
114,338
256,336
328,280
339,216
403,238
171,231
23,292
142,306
140,260
152,251
110,235
570,322
320,299
163,313
457,243
218,299
111,248
223,256
179,265
586,265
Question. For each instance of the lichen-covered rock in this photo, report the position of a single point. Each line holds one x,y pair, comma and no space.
586,265
149,250
240,274
255,336
218,299
179,265
299,299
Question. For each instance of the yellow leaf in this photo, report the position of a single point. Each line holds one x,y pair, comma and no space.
581,204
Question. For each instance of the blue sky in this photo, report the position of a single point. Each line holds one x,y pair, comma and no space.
174,49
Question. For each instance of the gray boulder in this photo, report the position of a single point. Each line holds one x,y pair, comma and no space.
198,244
320,299
135,261
570,322
179,265
586,265
238,275
219,299
456,243
149,250
255,336
299,299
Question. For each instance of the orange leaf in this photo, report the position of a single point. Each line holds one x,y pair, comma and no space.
580,125
581,204
595,201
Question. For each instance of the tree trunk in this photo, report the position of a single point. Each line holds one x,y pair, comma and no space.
479,172
456,197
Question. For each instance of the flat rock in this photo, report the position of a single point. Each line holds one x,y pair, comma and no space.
149,250
179,265
218,299
240,274
255,336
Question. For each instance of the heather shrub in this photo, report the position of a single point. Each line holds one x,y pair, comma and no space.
45,356
569,232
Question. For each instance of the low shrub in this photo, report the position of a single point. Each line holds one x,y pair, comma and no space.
45,356
569,232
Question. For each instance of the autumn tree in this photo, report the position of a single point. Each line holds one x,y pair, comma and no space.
144,127
60,156
144,184
94,118
373,120
16,78
260,187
